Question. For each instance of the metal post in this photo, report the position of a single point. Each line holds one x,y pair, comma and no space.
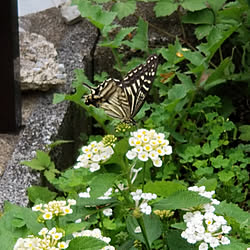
10,96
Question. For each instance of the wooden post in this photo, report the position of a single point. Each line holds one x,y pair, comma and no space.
10,96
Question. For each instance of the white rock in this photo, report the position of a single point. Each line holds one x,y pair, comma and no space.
70,14
39,69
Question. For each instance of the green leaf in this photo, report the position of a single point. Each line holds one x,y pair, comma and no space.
163,188
216,5
101,183
178,91
118,38
203,30
219,75
176,242
58,98
210,184
28,217
124,9
41,162
225,175
233,211
140,40
89,243
245,132
219,161
41,193
165,7
17,222
100,77
180,200
215,39
95,14
151,224
194,5
59,142
204,16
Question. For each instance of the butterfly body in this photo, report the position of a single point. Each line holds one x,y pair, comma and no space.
123,99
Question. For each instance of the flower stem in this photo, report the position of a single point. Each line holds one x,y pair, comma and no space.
143,176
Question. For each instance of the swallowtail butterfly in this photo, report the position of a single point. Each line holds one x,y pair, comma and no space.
123,99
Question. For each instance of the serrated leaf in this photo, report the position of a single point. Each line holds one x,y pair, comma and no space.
225,175
101,183
194,5
100,77
41,193
140,40
89,243
95,14
124,9
180,200
165,8
163,188
233,211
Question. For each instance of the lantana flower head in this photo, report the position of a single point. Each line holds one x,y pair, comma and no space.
148,144
94,154
47,239
55,208
205,226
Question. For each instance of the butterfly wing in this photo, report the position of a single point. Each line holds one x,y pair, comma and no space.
137,83
109,96
123,99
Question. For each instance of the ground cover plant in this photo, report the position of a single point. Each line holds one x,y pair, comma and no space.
178,179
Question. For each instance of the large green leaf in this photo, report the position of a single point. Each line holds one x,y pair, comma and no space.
180,200
163,188
165,7
124,9
86,243
151,224
41,193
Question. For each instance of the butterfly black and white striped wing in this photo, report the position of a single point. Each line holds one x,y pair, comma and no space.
123,99
138,82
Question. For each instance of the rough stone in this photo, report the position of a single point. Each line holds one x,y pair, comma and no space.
70,14
39,67
49,122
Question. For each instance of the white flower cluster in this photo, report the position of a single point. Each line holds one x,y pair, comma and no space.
96,233
49,239
143,205
205,226
93,155
148,144
55,208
